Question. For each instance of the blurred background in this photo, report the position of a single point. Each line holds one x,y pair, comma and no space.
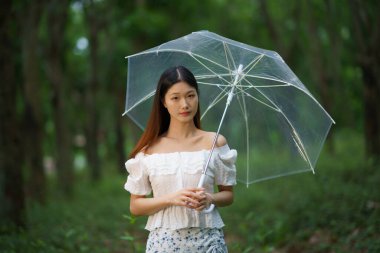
64,142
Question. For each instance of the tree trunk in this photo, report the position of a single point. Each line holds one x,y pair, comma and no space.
320,73
36,182
272,29
116,91
287,52
12,208
120,137
371,110
334,63
57,16
366,33
92,123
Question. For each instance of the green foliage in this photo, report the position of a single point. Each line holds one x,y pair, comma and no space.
127,27
337,209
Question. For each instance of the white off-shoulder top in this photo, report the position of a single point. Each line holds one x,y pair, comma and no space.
165,173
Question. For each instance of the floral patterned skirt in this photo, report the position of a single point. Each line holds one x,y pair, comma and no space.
187,240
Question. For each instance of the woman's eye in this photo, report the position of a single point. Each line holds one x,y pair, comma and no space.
191,95
174,98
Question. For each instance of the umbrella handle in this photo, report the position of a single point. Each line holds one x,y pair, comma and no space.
200,184
209,209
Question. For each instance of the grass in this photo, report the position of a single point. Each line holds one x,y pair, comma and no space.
336,210
91,222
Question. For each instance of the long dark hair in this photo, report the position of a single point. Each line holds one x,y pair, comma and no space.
159,118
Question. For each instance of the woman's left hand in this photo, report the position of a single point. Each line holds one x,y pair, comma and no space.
205,200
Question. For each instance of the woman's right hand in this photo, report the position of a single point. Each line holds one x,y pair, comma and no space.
187,197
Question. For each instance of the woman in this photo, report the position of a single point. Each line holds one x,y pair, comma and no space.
168,160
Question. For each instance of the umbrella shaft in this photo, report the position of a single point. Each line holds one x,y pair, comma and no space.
230,95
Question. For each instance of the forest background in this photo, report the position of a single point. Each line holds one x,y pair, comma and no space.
63,141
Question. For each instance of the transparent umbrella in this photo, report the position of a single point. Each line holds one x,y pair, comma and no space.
248,94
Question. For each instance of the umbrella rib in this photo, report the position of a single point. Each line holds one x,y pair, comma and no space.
300,147
210,76
223,93
288,84
298,141
307,93
244,86
228,63
299,144
197,55
185,52
245,46
274,105
276,176
243,107
267,86
253,76
193,56
214,102
272,79
217,99
212,84
140,101
258,100
253,63
256,60
227,53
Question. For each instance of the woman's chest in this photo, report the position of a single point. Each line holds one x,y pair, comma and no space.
174,171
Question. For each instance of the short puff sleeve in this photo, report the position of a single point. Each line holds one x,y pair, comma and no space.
224,166
138,181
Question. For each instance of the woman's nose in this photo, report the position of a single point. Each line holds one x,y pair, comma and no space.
184,103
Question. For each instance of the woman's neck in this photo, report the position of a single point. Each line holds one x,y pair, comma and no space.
180,131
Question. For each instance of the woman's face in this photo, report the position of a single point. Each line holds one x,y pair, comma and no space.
181,101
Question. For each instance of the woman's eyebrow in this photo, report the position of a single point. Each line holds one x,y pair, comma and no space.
176,93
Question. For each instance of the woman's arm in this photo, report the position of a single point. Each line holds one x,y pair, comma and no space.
224,197
141,205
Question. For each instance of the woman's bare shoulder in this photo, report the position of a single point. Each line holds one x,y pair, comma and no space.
155,147
210,136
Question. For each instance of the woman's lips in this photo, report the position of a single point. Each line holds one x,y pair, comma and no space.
184,114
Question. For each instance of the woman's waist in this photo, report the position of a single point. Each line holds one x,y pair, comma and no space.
177,217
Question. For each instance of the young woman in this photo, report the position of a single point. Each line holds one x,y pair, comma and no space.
168,160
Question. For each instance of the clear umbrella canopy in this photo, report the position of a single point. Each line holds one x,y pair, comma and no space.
276,125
